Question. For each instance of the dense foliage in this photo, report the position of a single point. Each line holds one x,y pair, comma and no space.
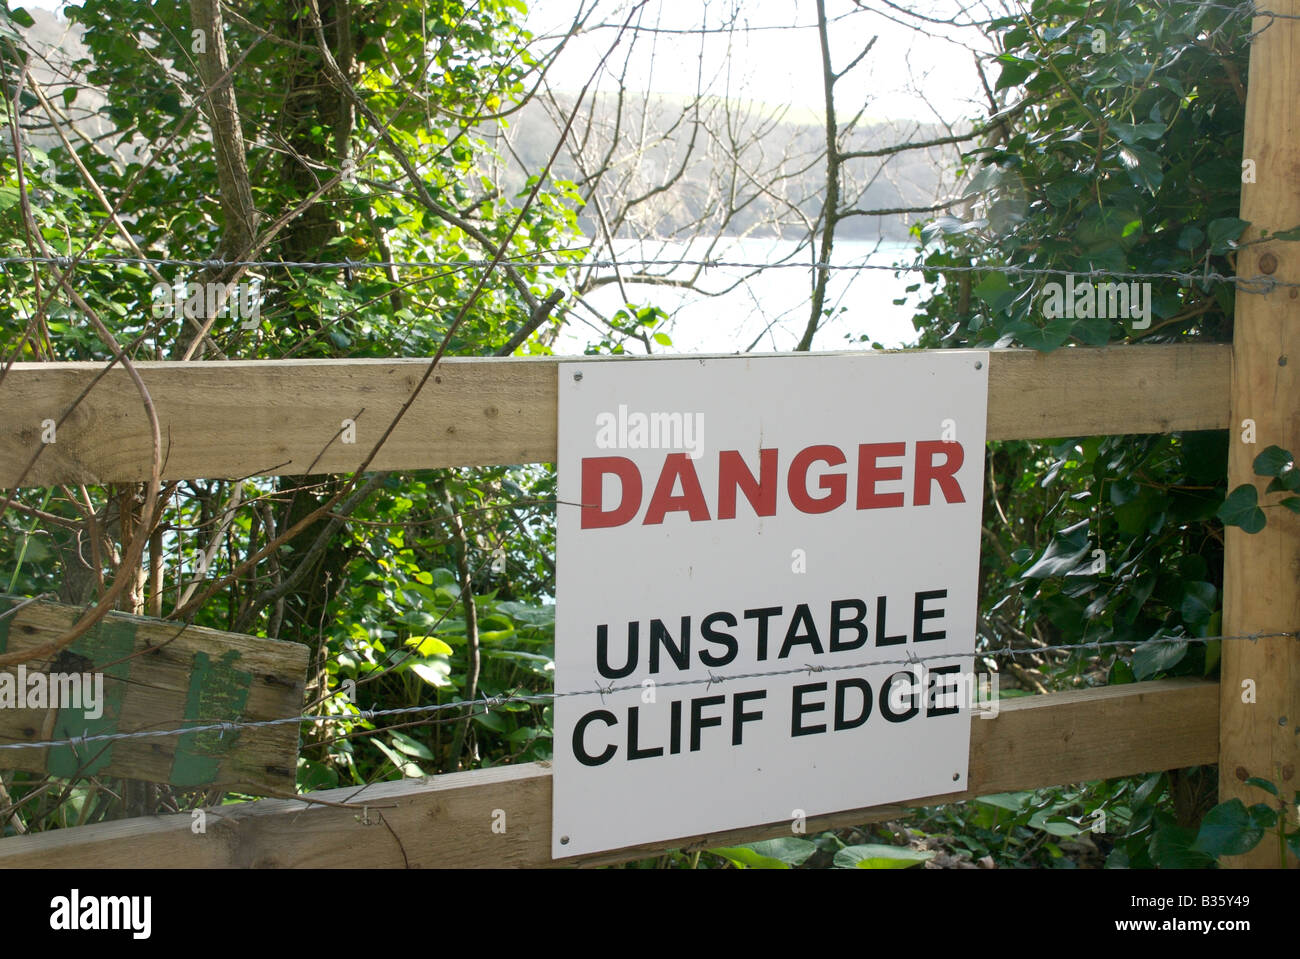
1126,158
381,600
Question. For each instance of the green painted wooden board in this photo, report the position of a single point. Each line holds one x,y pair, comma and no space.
131,673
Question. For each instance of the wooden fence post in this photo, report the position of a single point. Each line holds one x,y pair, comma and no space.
1259,713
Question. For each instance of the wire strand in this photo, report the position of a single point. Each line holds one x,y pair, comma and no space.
1259,283
708,681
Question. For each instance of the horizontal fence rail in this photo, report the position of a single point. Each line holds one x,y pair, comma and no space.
448,821
232,419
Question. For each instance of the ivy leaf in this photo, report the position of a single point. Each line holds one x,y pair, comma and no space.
1130,133
1263,784
1287,482
1014,71
995,291
1061,192
1223,233
1198,603
1273,461
1190,238
1143,166
1050,337
1172,848
1241,508
1228,830
1063,553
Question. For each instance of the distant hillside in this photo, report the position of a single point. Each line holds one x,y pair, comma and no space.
776,153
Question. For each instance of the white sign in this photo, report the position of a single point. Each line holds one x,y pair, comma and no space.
752,530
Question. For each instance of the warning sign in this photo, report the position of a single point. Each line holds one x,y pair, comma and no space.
766,589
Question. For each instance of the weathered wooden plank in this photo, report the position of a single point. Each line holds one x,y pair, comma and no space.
244,418
448,821
1260,737
155,675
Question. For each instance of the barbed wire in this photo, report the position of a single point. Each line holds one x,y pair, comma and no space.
708,681
1259,283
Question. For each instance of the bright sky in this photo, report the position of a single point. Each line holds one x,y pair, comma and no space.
777,59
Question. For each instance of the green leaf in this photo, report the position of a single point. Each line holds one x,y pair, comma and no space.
315,775
1171,848
1143,166
1228,830
1149,790
1120,673
1292,503
1198,602
8,197
1263,784
1061,192
1054,825
409,746
1287,482
1274,461
1157,656
21,17
769,854
1063,554
1223,233
492,720
1190,238
995,291
1014,71
1050,337
1013,802
877,856
435,673
1130,133
407,768
1241,508
430,646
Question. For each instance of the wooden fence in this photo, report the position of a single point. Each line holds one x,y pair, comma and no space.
233,419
